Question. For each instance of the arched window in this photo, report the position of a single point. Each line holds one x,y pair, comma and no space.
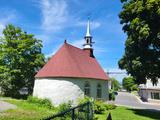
99,91
87,89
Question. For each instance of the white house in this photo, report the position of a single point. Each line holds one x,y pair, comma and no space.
150,93
72,73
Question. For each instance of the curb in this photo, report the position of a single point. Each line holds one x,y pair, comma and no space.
147,103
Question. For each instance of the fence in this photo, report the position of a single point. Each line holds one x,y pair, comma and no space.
80,112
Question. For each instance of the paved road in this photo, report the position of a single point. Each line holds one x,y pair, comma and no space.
5,106
128,99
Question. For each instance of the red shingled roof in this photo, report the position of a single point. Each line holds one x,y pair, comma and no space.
70,61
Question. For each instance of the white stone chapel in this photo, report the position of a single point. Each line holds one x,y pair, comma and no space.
71,74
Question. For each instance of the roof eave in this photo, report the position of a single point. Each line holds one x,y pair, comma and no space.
107,79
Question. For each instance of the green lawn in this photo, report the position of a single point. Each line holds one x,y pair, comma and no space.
25,111
28,111
123,113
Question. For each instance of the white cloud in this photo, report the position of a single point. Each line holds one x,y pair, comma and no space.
2,26
7,16
44,37
78,43
54,50
93,24
99,50
116,73
114,70
50,54
55,14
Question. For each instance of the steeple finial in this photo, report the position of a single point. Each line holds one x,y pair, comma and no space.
88,29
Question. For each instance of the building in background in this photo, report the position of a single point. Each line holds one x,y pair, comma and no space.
150,93
71,74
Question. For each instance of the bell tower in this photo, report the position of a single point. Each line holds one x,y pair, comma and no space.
88,41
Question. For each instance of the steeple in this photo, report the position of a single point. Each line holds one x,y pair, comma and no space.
88,41
88,37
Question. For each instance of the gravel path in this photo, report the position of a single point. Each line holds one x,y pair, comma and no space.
5,106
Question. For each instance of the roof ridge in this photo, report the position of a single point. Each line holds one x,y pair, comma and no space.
80,50
73,46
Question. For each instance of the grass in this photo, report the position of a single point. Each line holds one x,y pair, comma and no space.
26,111
30,111
123,113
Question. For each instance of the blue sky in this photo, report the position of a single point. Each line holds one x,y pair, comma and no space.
52,21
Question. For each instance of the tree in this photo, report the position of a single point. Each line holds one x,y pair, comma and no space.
134,87
128,83
20,58
141,23
114,84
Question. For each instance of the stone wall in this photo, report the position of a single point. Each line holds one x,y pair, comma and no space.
60,90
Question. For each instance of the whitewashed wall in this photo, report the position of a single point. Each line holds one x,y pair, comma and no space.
146,89
146,95
60,90
143,94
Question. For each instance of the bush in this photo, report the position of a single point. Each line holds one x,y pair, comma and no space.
82,110
40,102
84,100
99,107
110,106
111,95
64,106
134,87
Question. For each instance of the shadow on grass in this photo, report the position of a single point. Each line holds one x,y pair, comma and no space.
150,113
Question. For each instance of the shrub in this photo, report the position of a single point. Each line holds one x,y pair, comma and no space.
110,106
111,95
82,110
84,100
134,87
99,107
40,102
64,106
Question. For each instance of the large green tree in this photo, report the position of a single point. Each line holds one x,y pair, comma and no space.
128,83
141,23
115,85
20,58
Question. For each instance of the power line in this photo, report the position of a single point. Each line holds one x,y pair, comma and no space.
117,72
